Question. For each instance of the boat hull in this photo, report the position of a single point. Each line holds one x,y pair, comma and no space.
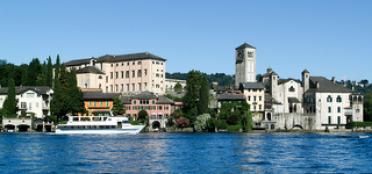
131,130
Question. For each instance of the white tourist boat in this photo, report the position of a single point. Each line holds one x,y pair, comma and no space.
106,124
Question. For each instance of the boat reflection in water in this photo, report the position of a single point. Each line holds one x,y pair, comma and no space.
104,123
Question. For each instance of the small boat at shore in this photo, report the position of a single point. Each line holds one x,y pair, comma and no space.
106,124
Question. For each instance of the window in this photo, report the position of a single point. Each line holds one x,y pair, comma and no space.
329,120
338,109
291,89
122,74
133,73
99,77
329,99
122,87
127,87
339,99
116,75
139,62
127,74
329,109
133,87
139,86
23,105
139,73
259,107
111,75
145,72
260,98
338,120
254,98
249,98
250,54
30,95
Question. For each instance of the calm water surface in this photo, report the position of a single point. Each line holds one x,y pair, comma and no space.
186,153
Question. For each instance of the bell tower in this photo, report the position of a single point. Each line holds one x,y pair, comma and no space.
245,65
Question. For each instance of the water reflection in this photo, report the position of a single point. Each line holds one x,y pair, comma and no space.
186,153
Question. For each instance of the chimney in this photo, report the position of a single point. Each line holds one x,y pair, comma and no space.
334,80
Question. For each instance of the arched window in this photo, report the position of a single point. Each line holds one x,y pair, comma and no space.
269,116
360,98
339,99
329,99
291,89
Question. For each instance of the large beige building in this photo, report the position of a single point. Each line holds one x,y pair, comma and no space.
129,73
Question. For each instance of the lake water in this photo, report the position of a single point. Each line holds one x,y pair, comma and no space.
186,153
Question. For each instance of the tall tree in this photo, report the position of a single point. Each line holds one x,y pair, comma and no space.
9,108
118,108
368,107
203,96
49,72
197,95
33,73
67,99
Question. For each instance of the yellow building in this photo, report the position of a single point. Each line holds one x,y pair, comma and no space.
95,102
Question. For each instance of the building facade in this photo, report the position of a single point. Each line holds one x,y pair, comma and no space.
98,102
33,100
129,73
158,108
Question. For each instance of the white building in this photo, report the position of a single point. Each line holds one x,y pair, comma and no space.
310,103
171,83
30,99
129,73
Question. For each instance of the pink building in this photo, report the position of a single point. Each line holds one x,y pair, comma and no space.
159,108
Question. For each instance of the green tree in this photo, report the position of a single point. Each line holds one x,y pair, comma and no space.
178,88
118,108
49,73
196,99
368,107
67,99
203,96
33,73
10,108
201,122
143,117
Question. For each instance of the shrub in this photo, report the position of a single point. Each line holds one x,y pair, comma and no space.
182,122
234,128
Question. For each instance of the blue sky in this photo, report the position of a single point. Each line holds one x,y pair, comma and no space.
329,38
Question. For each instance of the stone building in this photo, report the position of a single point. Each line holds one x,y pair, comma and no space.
312,103
128,73
245,65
